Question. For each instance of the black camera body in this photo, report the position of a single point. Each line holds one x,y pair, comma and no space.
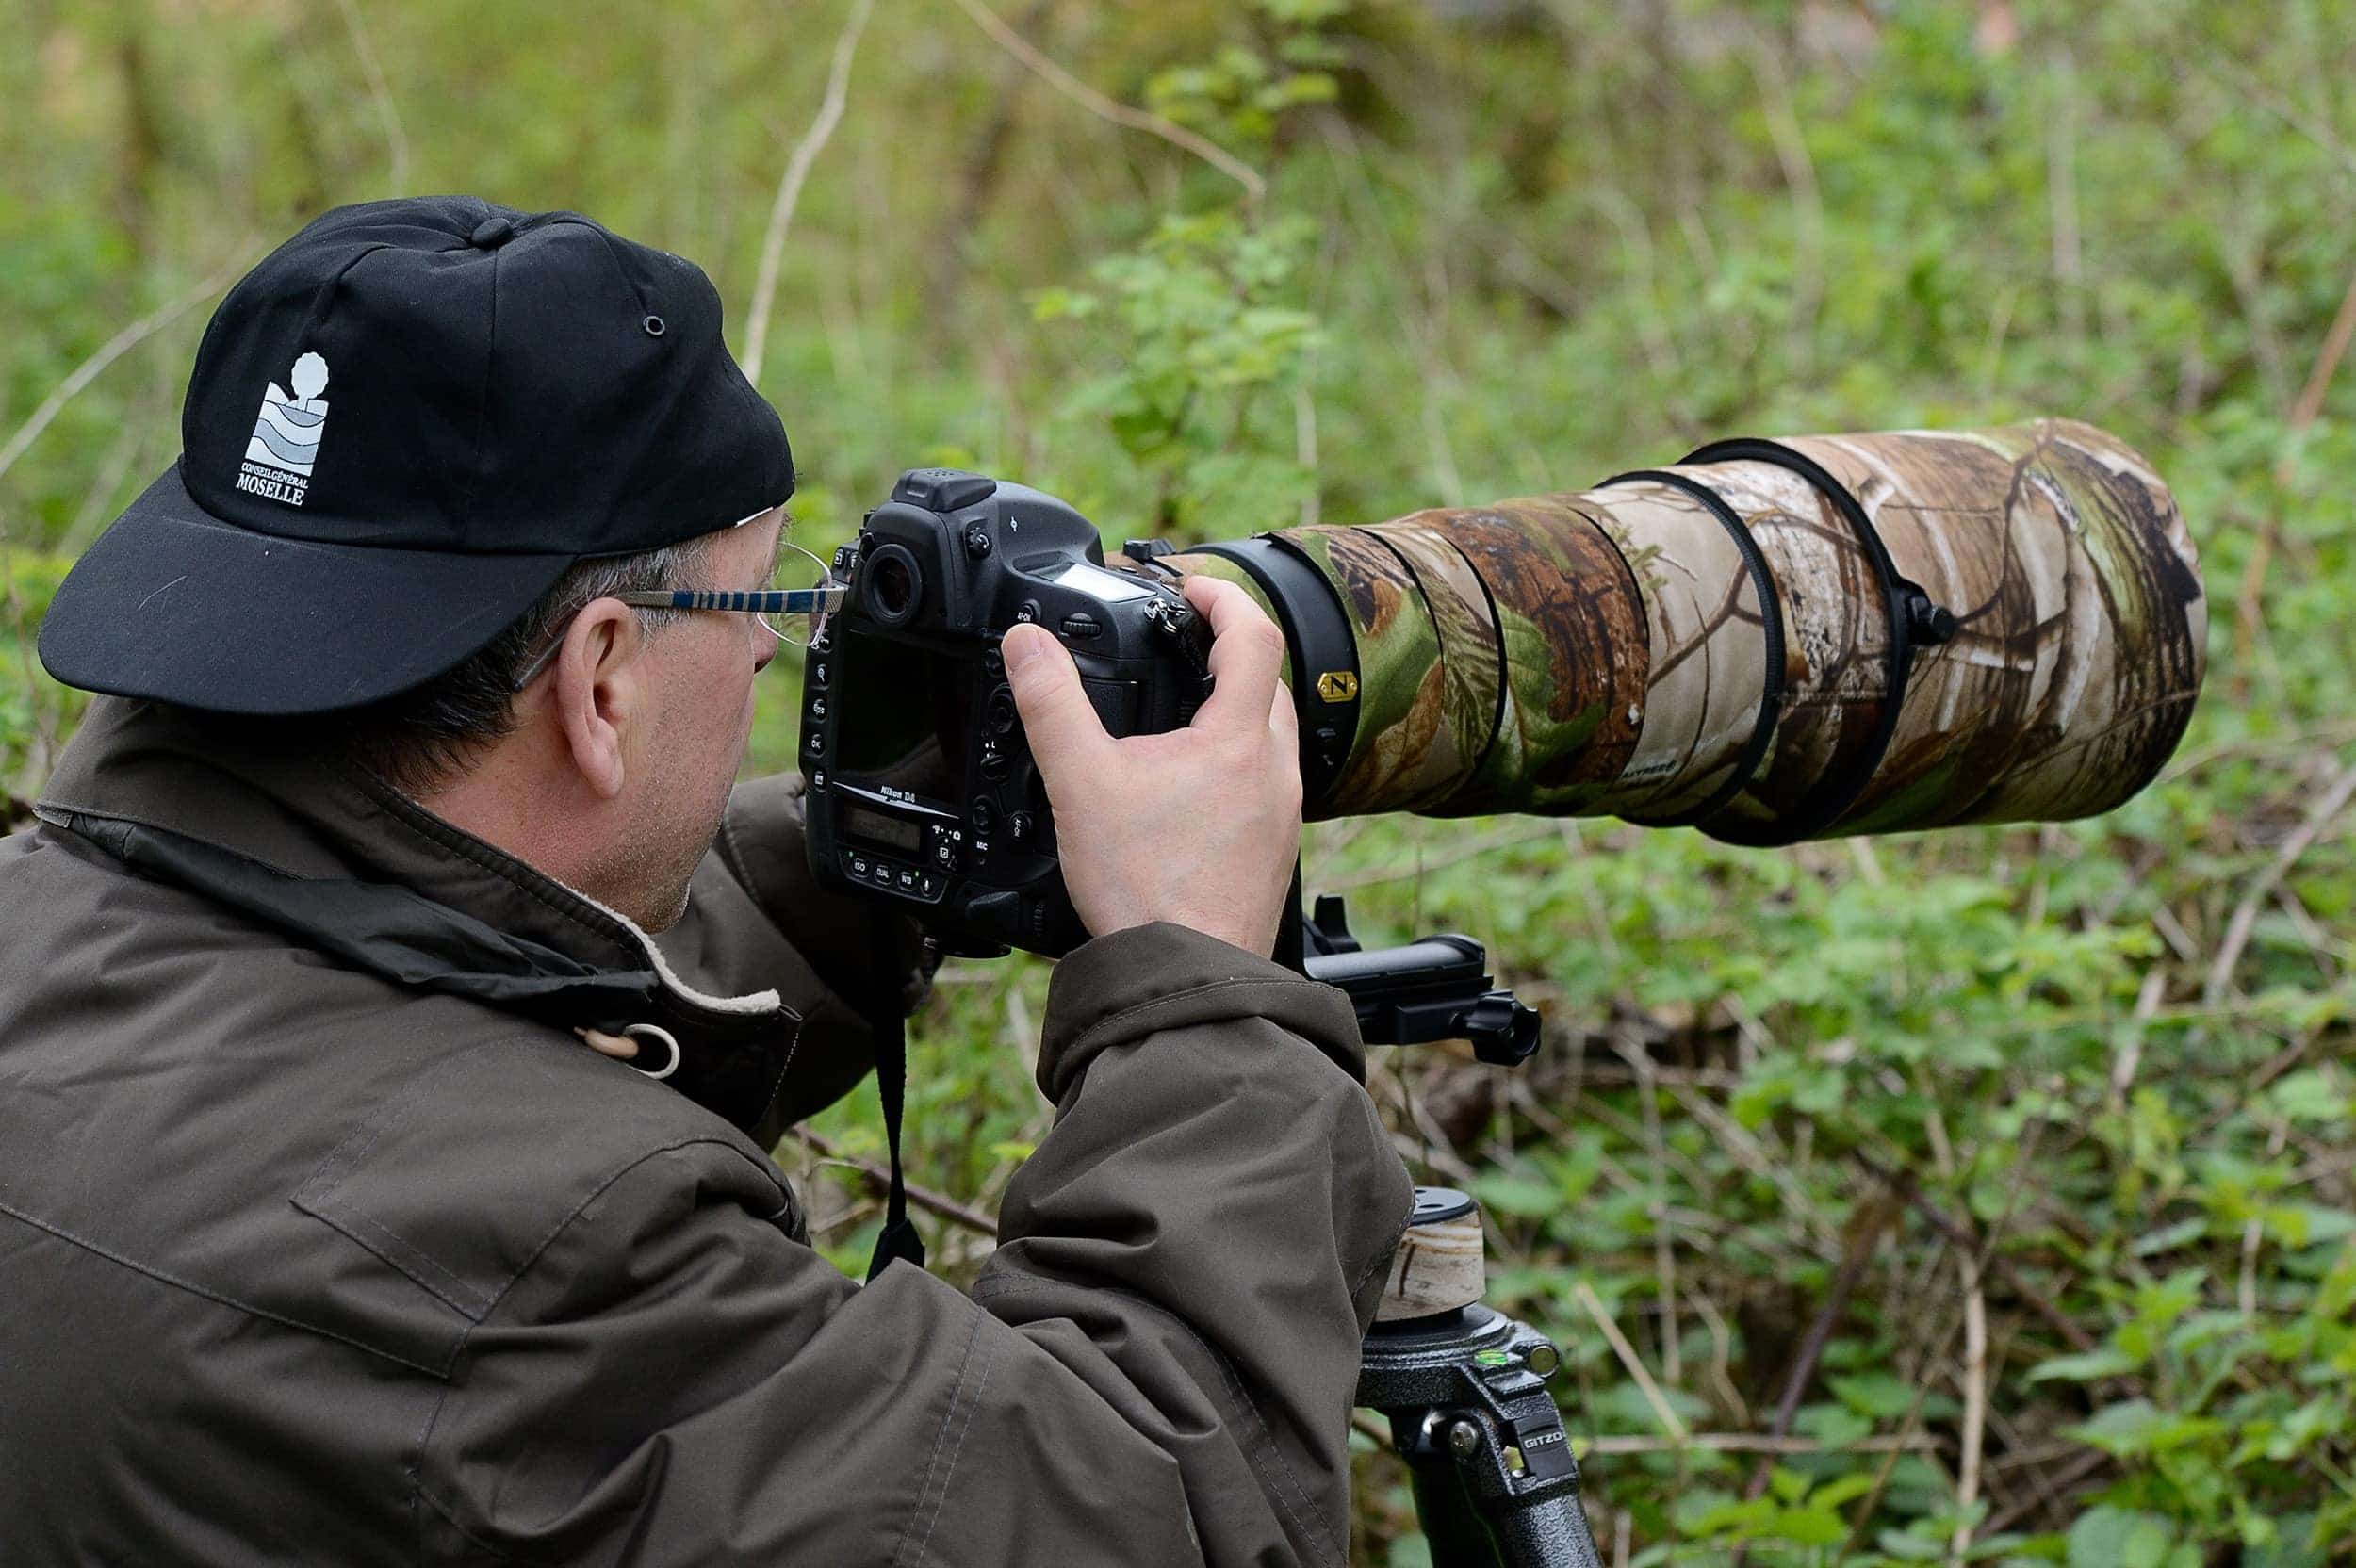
920,787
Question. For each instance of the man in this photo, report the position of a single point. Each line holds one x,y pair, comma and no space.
375,1188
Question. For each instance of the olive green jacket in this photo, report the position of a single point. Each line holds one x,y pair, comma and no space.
324,1239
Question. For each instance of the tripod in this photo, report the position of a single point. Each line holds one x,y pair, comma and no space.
1464,1386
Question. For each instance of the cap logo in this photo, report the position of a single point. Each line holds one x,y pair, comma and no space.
286,438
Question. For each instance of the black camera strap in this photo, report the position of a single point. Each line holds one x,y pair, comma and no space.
898,1238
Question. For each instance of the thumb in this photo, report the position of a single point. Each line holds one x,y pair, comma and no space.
1057,719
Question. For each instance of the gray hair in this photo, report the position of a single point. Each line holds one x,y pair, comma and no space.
422,738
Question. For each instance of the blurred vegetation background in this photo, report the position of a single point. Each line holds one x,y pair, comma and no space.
1975,1197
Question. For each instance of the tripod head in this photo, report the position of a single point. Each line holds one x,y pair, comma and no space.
1435,988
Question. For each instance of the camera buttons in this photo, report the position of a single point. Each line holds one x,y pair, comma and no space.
999,713
1019,826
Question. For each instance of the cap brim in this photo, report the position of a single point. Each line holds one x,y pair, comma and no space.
175,605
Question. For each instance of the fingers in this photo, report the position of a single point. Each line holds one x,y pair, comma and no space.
1283,723
1247,651
1063,729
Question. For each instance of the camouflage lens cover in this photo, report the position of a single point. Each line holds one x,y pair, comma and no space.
1607,652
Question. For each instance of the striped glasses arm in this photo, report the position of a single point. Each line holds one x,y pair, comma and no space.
794,601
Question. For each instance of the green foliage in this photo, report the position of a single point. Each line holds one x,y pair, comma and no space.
1201,325
2005,1077
1198,334
1239,95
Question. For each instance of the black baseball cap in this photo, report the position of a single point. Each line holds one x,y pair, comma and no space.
402,426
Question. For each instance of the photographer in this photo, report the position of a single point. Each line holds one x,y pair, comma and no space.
375,1188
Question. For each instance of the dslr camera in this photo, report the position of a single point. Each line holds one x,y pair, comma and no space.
921,788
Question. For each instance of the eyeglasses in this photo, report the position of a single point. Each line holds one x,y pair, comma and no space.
795,615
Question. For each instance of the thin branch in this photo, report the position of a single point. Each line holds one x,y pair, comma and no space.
81,376
2246,85
879,1178
2319,381
1935,1346
2247,602
1633,1363
1665,1228
2130,1057
2323,737
2237,930
1974,1405
1903,1184
797,168
1799,179
43,752
396,141
952,247
1305,447
2061,183
2066,1474
1864,1242
1759,1443
1107,109
1508,839
113,349
106,482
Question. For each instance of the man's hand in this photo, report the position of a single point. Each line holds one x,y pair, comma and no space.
1199,826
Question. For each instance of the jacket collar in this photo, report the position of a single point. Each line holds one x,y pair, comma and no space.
345,863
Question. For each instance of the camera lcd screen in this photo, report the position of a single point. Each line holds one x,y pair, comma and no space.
861,823
1111,587
899,705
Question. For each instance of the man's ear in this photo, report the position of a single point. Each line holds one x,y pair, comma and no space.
600,692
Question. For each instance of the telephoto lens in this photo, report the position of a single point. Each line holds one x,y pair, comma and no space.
1771,641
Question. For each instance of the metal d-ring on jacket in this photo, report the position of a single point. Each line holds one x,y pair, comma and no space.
324,1239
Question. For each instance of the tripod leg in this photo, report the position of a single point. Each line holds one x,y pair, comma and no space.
1453,1461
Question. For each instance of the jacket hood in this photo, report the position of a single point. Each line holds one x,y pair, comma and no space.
346,864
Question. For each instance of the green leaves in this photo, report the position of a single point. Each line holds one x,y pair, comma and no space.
1793,1511
2121,1538
2088,1368
1200,322
1241,93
